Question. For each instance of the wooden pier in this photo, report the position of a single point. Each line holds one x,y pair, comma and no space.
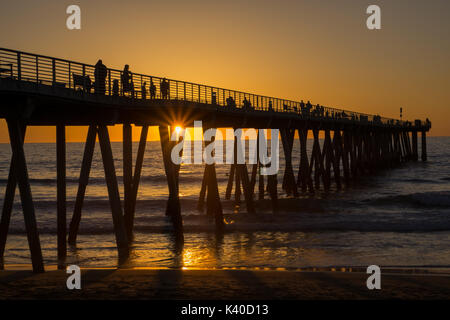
37,90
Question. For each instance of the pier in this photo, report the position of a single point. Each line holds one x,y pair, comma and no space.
37,90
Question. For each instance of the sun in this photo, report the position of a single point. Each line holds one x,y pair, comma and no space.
178,130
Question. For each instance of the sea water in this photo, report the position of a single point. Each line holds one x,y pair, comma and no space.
398,217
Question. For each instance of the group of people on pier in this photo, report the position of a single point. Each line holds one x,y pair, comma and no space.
303,109
126,80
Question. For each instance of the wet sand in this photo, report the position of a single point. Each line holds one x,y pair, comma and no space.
220,284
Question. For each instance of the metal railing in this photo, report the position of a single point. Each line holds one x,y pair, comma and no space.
81,77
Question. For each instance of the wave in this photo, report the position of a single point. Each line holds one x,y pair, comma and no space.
157,179
308,227
426,199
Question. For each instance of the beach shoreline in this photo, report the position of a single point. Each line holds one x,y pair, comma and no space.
223,284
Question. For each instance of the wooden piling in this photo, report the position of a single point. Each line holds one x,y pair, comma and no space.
246,186
424,146
202,196
173,203
113,192
61,194
329,159
127,151
82,183
303,173
21,173
213,204
337,157
414,146
316,159
8,202
289,184
346,146
230,182
129,219
260,176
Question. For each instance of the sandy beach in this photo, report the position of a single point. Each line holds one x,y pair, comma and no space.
222,284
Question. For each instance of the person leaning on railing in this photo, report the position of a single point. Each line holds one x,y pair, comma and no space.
127,81
164,87
152,90
144,90
100,74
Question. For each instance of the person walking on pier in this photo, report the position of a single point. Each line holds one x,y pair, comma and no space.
302,107
100,74
115,87
144,91
230,102
127,81
152,90
164,87
308,107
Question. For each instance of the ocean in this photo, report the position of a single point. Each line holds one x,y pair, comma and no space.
398,217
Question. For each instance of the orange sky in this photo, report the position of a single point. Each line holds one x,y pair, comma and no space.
312,50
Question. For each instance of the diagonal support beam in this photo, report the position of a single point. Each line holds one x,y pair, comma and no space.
113,192
82,184
21,173
129,218
61,219
173,204
8,203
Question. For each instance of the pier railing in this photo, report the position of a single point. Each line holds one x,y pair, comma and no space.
80,76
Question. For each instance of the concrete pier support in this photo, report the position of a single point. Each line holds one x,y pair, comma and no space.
303,172
127,151
82,183
173,203
129,218
113,192
21,173
424,146
415,146
61,194
8,202
289,185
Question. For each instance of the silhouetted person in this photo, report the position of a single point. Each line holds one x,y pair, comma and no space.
270,105
308,106
152,90
246,103
144,91
164,87
115,87
127,83
302,107
230,102
100,74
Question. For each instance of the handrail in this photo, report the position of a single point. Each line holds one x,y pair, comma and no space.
44,69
